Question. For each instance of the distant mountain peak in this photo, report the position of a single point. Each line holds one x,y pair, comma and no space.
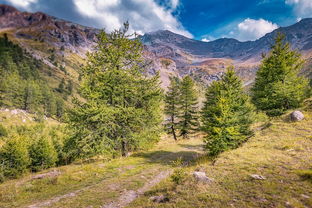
5,9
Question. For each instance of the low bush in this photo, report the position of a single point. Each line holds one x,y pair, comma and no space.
14,158
42,154
3,131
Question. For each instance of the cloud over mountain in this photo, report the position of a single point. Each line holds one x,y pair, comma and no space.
143,15
251,29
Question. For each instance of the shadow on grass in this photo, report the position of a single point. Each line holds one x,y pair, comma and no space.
198,147
167,157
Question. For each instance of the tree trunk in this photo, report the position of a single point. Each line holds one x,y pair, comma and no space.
174,134
123,149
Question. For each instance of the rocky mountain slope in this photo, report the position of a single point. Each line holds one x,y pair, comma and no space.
172,54
207,60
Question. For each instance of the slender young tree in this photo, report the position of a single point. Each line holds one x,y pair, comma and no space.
188,119
278,87
172,109
226,115
121,111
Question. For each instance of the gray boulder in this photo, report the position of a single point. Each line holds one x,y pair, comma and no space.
201,177
296,116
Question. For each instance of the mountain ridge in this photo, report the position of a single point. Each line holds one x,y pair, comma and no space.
172,54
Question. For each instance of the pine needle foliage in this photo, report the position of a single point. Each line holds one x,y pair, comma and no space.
121,108
172,106
277,86
188,119
226,115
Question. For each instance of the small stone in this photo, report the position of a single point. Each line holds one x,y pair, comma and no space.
258,177
201,177
305,196
296,116
159,199
50,174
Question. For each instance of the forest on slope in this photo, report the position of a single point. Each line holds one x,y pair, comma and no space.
122,110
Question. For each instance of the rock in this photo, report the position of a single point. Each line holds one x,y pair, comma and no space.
258,177
201,177
50,174
159,199
296,116
305,196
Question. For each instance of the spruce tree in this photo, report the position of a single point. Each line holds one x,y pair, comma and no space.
277,86
188,119
226,115
121,107
172,109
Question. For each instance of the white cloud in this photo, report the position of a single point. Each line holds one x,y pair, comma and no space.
24,4
174,4
251,29
205,40
143,15
302,8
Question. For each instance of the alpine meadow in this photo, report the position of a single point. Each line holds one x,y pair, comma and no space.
141,104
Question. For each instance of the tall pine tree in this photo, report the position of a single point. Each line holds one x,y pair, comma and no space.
172,107
121,111
188,119
226,115
278,87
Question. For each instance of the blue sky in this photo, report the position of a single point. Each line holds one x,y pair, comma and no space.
199,19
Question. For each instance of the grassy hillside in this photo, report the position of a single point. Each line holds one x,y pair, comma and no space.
36,69
281,153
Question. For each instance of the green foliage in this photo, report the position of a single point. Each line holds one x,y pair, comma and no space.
42,154
21,85
121,105
226,115
3,131
188,118
178,176
278,87
172,106
14,158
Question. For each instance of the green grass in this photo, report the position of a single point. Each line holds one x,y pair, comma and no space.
282,153
99,182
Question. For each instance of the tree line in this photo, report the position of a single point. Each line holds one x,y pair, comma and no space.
121,107
22,85
228,110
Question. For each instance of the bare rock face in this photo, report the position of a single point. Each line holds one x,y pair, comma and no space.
201,177
296,116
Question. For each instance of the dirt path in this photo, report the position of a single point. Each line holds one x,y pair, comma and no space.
129,195
113,184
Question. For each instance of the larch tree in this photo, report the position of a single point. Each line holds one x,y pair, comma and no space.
226,115
277,86
188,119
172,106
121,108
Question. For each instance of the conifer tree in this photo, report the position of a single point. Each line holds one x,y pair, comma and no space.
278,86
172,109
226,115
121,111
188,119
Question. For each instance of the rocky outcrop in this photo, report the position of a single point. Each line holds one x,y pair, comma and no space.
44,28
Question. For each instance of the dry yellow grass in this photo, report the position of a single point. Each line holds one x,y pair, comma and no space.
279,153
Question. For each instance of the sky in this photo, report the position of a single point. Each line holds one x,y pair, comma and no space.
204,20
